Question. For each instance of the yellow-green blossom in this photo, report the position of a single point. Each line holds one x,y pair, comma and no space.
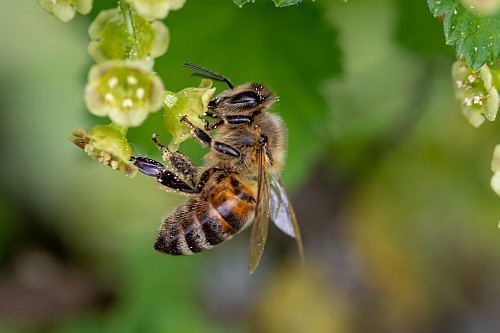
495,167
482,7
108,145
155,9
111,40
126,92
190,102
477,92
65,10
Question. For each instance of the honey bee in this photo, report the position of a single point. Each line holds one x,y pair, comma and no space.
239,183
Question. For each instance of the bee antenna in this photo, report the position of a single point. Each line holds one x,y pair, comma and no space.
208,73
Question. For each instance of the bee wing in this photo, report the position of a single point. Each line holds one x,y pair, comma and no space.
260,226
282,213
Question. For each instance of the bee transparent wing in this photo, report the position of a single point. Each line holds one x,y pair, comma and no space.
280,208
260,226
282,213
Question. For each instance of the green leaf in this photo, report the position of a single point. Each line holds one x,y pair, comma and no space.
278,3
476,37
240,3
418,31
285,3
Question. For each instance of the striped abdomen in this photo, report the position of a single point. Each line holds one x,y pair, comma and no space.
208,218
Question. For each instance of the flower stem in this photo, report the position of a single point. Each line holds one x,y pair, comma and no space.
128,19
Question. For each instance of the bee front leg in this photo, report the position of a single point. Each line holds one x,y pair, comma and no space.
233,120
205,139
163,176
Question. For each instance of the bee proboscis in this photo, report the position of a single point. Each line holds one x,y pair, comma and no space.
238,185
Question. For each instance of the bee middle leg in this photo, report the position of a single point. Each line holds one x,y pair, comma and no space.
204,138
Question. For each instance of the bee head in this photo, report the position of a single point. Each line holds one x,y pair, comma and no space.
243,100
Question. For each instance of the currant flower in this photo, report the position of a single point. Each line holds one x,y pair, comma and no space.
495,167
111,40
477,91
65,10
126,92
155,9
190,102
482,7
108,145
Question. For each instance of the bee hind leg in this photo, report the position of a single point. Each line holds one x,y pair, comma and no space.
163,176
148,166
181,164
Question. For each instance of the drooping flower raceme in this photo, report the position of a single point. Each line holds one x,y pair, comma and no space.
122,85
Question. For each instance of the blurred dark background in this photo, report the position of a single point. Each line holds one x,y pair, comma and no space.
389,181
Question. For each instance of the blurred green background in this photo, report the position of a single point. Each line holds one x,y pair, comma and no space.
389,181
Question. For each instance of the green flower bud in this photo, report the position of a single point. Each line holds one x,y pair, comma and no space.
64,10
126,92
110,39
155,9
477,92
108,145
190,102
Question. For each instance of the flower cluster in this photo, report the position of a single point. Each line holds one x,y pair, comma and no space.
477,91
122,84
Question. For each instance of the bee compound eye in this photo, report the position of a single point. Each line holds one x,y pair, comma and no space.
246,97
